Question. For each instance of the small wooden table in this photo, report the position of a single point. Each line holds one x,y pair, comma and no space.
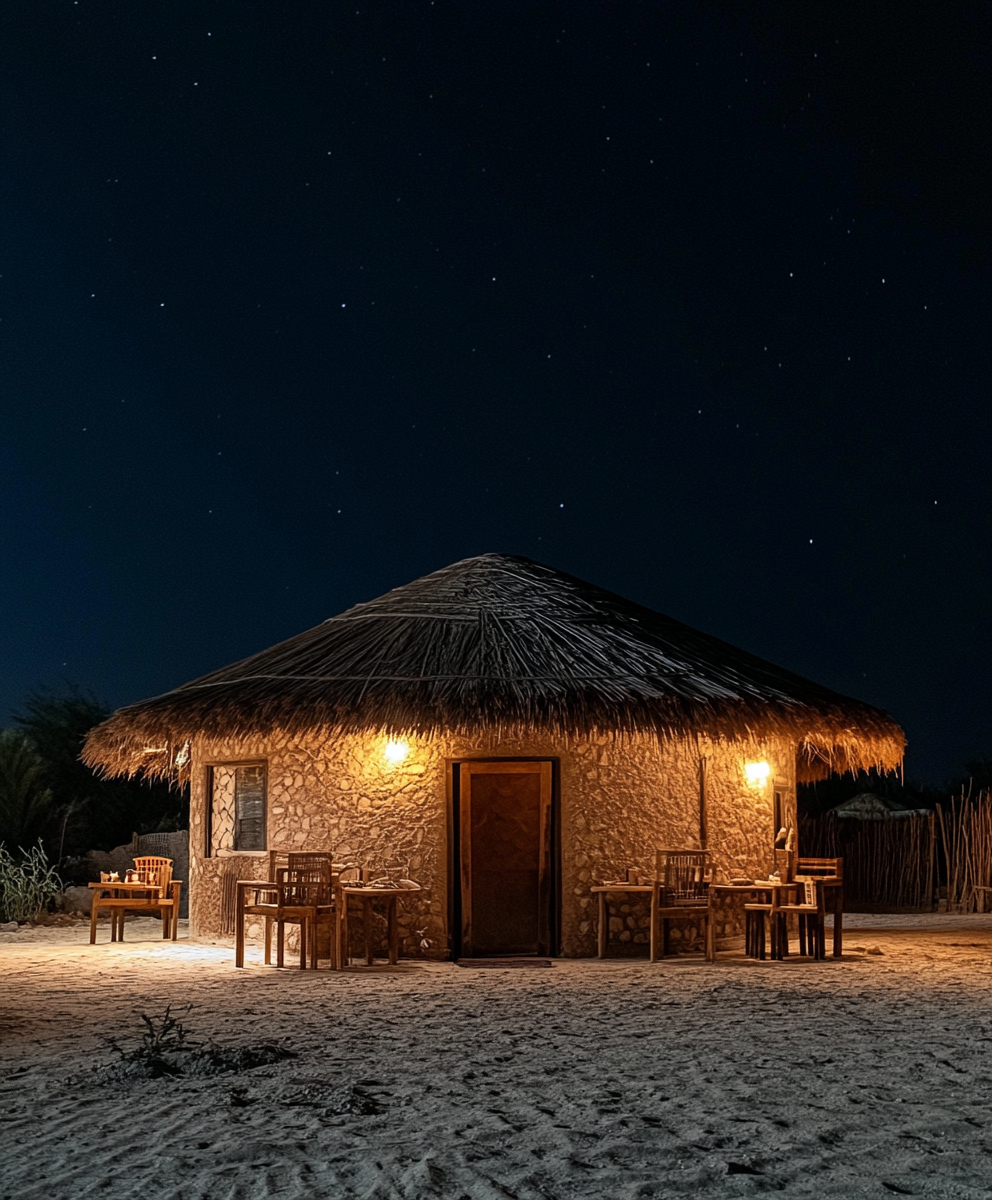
602,890
368,895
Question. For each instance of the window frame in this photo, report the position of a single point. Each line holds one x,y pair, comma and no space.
233,764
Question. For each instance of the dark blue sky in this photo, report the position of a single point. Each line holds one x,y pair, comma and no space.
302,301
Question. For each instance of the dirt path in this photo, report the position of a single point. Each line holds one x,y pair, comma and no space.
867,1077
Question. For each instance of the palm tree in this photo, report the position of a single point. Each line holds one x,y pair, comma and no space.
25,803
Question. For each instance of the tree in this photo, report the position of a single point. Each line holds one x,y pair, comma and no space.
94,813
26,808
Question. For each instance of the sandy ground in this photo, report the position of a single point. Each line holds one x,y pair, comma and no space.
870,1076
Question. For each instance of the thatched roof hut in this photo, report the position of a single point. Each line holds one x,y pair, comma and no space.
866,806
500,641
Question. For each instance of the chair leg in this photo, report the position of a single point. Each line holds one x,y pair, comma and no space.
710,938
304,922
268,941
93,914
280,943
653,928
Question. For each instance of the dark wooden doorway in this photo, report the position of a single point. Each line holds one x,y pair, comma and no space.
504,852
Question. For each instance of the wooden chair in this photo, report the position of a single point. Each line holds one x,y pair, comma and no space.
829,873
162,896
756,914
681,891
303,894
809,907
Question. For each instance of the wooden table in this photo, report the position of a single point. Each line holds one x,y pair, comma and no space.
832,888
120,887
602,890
368,896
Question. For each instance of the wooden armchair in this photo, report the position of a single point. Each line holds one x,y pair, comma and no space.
303,894
681,891
161,894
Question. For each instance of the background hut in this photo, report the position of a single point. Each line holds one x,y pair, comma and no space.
494,728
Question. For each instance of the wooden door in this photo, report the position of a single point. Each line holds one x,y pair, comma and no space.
505,852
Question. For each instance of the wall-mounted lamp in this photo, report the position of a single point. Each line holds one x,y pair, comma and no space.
395,752
756,773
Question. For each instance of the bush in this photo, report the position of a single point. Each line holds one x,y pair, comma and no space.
27,885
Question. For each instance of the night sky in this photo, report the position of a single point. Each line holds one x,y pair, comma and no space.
301,301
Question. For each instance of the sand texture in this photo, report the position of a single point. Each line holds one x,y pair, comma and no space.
870,1076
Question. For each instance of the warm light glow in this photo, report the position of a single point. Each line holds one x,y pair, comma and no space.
757,773
396,751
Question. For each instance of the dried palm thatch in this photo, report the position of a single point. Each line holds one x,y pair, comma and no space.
501,642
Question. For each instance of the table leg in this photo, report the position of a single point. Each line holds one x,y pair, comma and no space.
177,895
344,936
367,916
239,929
392,928
710,934
604,926
268,941
93,915
838,922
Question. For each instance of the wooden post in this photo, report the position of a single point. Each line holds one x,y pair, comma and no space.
604,926
703,762
392,927
367,918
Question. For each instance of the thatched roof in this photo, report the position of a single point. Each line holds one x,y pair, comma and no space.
507,642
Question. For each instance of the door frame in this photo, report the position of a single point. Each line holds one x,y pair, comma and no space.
552,887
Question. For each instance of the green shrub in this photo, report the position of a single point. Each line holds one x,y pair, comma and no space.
27,884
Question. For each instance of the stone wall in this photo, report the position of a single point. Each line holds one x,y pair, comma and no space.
619,801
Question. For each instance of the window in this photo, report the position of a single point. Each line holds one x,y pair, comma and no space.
249,808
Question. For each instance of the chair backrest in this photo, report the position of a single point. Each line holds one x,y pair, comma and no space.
684,876
820,868
292,858
311,884
154,869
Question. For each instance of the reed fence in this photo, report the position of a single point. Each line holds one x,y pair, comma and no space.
966,835
908,862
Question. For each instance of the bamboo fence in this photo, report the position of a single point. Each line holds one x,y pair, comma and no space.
966,835
907,862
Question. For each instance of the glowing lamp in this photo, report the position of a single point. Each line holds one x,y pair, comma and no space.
395,752
757,773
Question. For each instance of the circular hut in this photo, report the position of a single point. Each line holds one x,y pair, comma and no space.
504,733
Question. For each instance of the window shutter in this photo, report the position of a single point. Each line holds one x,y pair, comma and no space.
249,797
